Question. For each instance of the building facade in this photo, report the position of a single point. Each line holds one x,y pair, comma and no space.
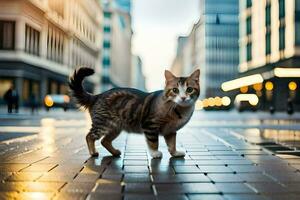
212,46
43,41
269,51
116,59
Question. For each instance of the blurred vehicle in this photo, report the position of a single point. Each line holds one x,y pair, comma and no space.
245,102
57,100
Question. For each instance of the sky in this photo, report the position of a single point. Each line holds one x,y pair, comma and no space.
156,25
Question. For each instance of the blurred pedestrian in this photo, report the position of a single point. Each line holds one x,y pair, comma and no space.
32,103
290,106
12,99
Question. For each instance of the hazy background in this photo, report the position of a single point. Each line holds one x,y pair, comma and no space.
156,25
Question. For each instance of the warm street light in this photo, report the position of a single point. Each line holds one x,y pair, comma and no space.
226,101
269,86
292,86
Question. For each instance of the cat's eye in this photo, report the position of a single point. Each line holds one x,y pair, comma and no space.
175,90
189,90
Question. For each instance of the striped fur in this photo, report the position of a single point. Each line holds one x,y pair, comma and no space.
135,111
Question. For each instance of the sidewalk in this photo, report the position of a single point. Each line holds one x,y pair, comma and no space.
56,165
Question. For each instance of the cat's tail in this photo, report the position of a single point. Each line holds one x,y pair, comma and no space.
82,97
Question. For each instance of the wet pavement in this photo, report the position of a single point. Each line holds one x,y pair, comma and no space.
220,163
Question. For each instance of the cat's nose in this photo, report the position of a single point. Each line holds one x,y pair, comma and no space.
183,98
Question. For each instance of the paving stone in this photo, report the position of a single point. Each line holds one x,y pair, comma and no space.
112,177
39,168
269,188
70,196
83,177
36,195
206,197
138,188
82,187
163,169
180,178
244,197
12,167
210,162
255,177
204,188
136,169
225,178
135,162
56,177
136,178
9,195
203,157
173,197
24,176
246,169
215,169
42,186
106,186
139,196
187,169
239,188
97,196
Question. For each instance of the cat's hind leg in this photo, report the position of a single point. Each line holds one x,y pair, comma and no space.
152,142
107,142
91,137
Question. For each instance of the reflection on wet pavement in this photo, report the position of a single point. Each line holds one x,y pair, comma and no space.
221,163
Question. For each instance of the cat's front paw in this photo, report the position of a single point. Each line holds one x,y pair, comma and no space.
116,153
156,154
95,154
178,154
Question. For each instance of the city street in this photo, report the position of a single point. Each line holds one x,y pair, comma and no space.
228,156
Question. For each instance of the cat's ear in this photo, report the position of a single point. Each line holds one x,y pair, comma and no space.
169,76
195,75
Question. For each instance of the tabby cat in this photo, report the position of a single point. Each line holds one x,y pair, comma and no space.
157,113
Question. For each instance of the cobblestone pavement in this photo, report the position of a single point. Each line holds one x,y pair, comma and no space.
55,164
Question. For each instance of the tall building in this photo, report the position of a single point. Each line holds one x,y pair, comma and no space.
116,59
138,79
212,46
43,41
269,52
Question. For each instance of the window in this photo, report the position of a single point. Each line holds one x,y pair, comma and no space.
268,43
7,35
106,44
281,9
249,51
248,26
107,29
107,14
32,40
281,38
249,3
106,61
268,15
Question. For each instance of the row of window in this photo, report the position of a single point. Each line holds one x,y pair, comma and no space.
268,28
55,44
82,26
32,40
